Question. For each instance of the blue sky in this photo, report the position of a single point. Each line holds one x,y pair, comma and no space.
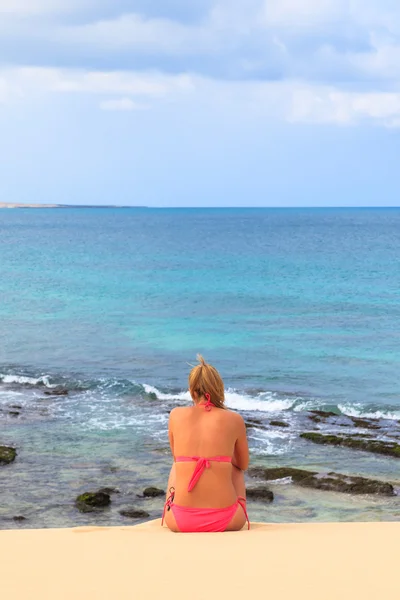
200,102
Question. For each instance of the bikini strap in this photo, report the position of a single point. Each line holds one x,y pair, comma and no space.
168,503
208,405
242,502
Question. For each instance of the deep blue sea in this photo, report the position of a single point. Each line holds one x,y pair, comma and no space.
297,308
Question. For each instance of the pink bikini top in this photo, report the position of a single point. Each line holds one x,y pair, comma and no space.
201,462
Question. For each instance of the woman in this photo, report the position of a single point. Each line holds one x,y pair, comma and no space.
210,450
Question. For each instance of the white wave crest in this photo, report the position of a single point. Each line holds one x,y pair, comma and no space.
264,401
149,389
358,410
24,380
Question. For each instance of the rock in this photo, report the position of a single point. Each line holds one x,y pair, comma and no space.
354,442
16,406
13,413
56,392
260,493
254,424
7,455
323,413
315,418
19,519
280,473
279,424
365,423
133,513
91,501
153,492
108,490
333,482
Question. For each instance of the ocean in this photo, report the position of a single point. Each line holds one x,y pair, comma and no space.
297,308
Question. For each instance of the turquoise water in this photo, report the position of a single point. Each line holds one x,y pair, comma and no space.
297,308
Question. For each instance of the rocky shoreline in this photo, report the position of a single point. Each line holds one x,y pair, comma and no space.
257,491
356,436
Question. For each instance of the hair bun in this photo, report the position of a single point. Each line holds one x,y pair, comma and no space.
201,360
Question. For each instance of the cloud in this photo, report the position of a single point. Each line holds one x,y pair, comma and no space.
313,61
122,104
286,101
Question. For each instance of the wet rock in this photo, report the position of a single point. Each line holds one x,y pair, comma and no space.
260,493
333,482
315,419
13,413
7,455
56,392
365,423
108,490
91,501
153,492
279,424
19,519
273,474
354,442
254,424
16,406
324,414
133,513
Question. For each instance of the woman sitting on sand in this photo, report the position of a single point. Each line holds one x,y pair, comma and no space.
210,450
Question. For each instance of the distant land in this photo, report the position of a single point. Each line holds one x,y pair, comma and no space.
15,205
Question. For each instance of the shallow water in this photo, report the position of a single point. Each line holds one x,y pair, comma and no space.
297,308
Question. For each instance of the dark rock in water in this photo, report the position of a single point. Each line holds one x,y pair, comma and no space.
254,424
56,392
108,490
90,501
13,413
153,492
260,493
279,424
323,413
356,443
315,418
280,473
333,482
365,423
16,406
7,455
19,519
133,513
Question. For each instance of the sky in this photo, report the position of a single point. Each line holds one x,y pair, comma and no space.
200,102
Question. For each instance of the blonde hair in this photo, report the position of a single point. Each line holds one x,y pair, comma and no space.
205,379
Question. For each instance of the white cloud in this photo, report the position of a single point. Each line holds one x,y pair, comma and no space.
291,101
329,105
133,32
26,81
303,14
38,7
122,104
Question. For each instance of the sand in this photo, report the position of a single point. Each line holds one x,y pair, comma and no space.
314,561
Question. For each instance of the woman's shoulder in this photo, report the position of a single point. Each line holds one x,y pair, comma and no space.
177,411
234,416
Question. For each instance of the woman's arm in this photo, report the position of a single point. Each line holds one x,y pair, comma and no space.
241,452
170,432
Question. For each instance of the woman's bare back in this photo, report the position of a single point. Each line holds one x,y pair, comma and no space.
196,432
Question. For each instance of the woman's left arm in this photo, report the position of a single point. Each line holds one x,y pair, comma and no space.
171,433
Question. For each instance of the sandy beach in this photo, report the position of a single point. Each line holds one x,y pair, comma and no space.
310,561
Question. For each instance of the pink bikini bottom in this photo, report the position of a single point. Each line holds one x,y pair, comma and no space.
196,520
